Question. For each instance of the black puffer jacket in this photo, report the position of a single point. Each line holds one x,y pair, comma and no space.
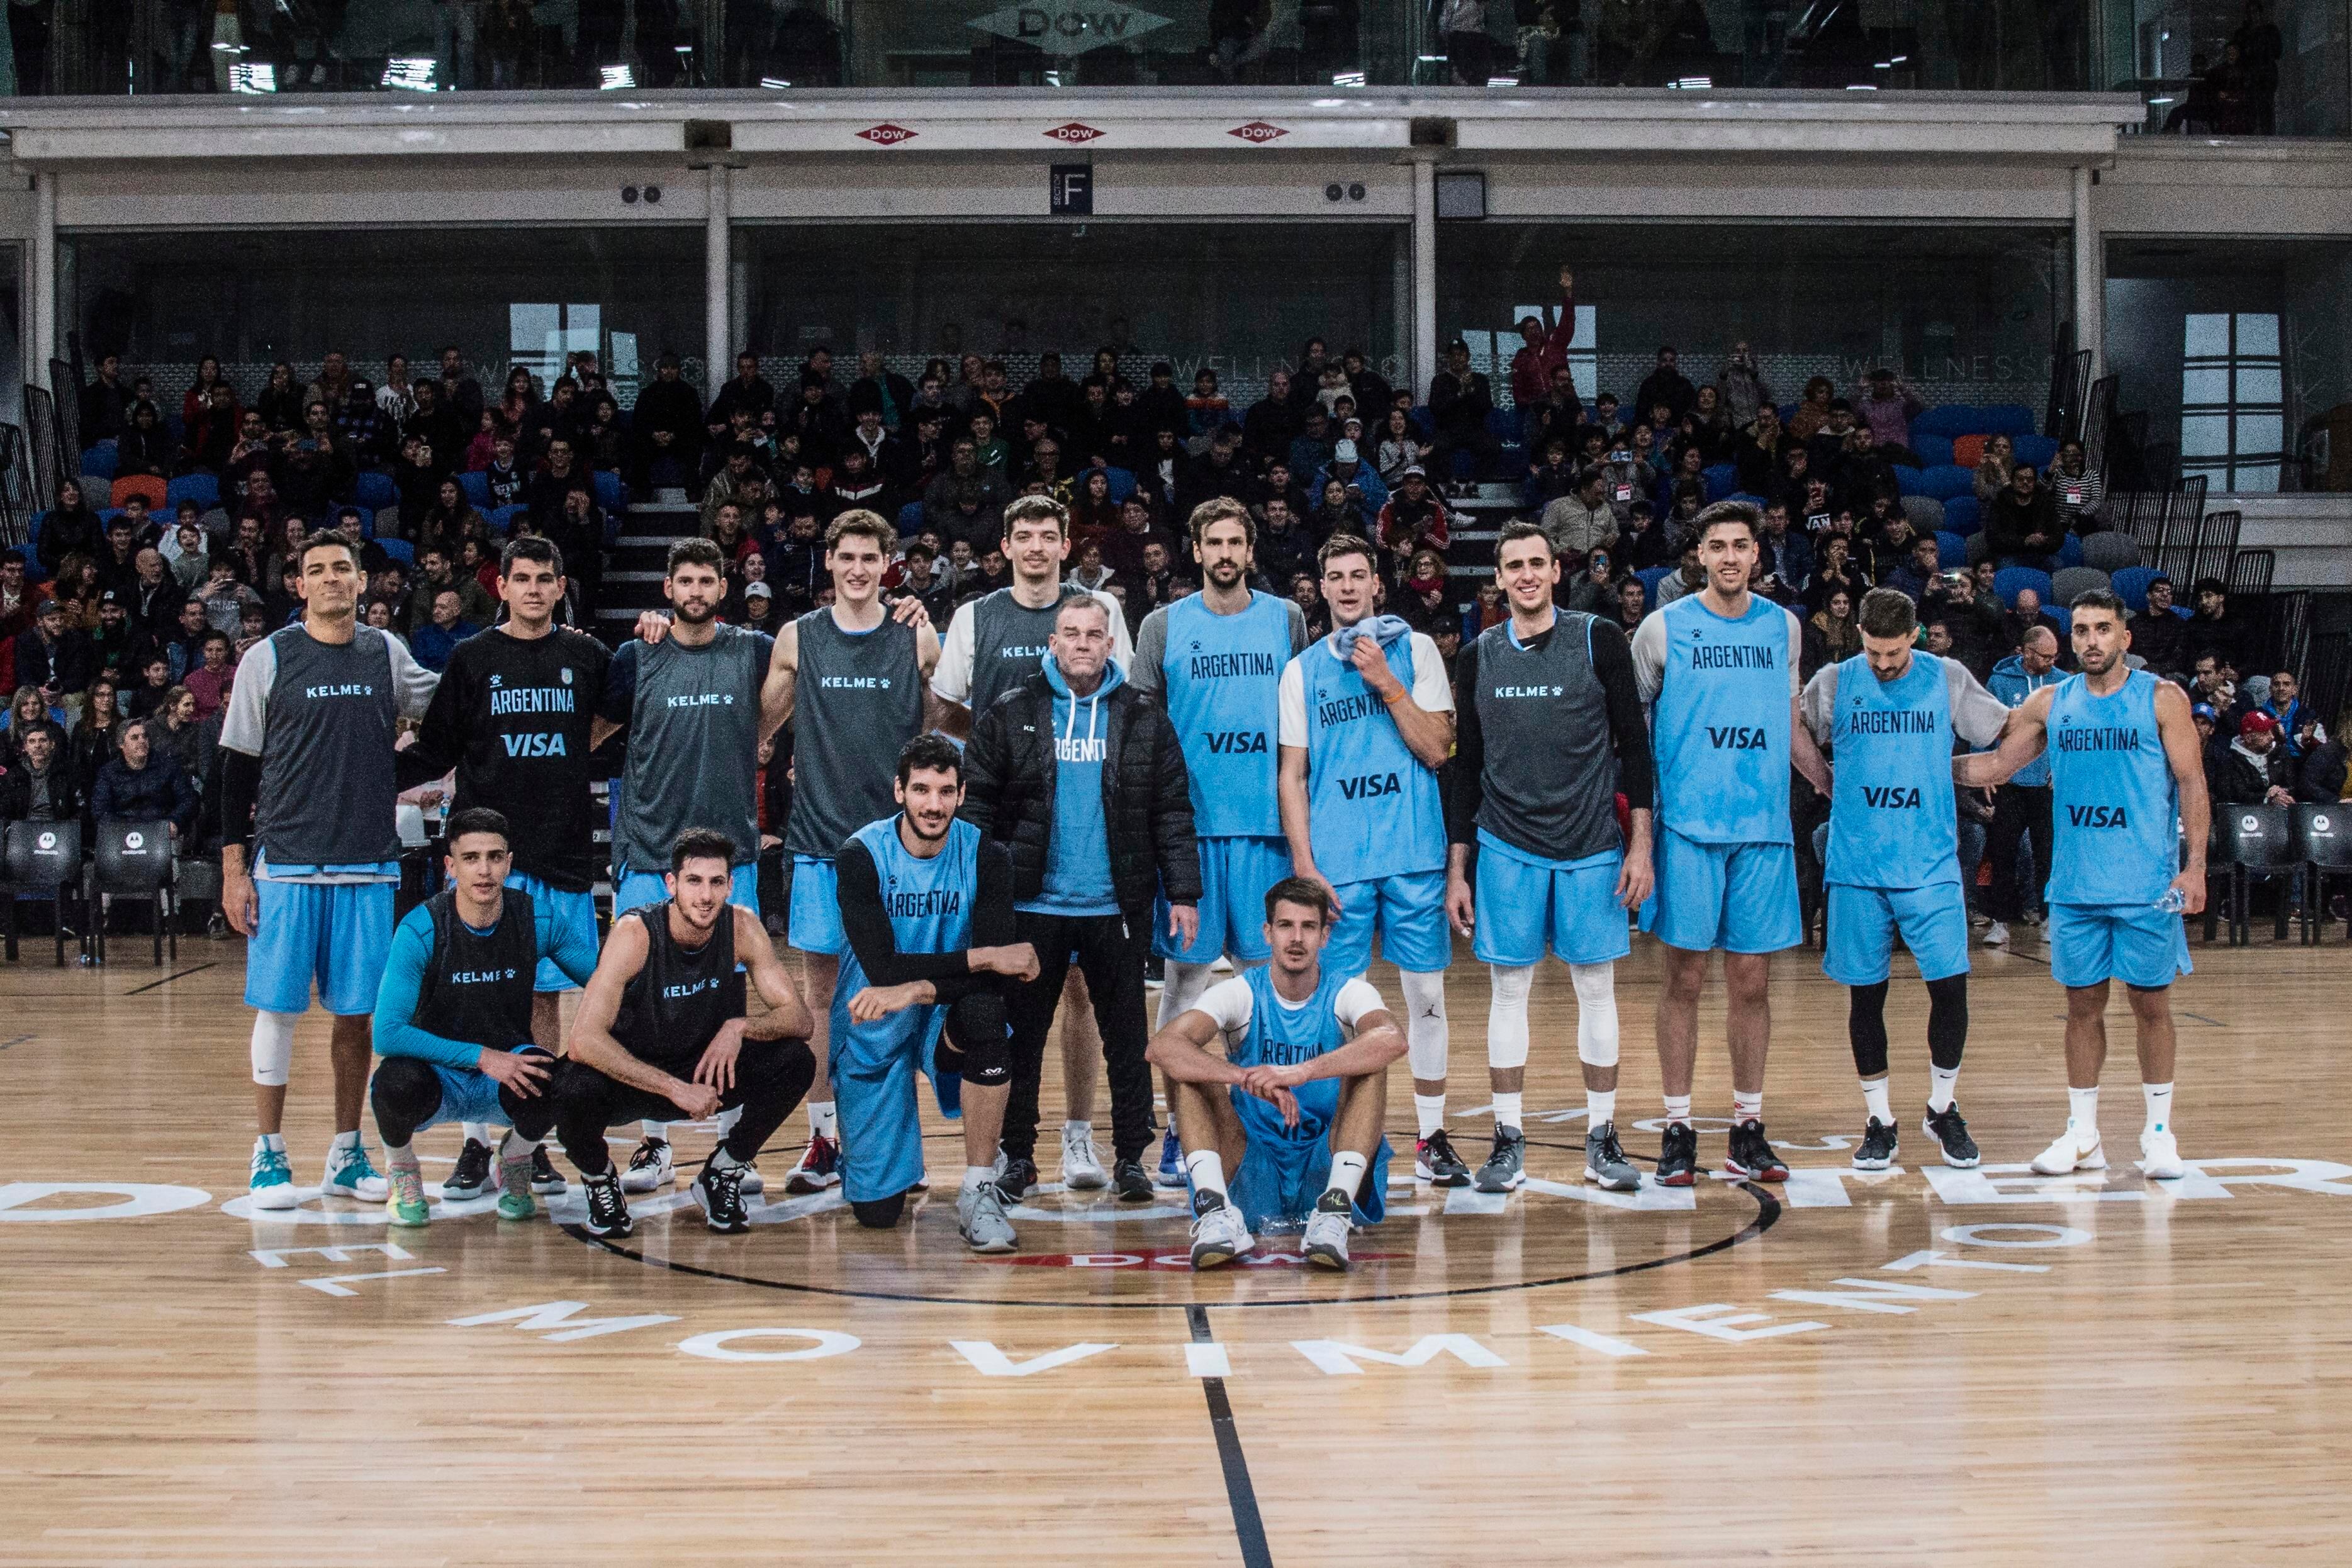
1010,770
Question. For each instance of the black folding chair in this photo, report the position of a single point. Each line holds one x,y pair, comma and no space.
2323,838
131,861
43,861
2257,840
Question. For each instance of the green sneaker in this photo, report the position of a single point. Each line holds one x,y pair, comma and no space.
515,1201
404,1199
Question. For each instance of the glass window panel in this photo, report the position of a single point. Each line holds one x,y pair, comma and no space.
2205,383
2258,384
2259,432
2205,436
2258,478
2206,337
2258,334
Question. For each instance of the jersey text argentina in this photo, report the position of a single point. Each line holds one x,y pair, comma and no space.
2114,807
1721,721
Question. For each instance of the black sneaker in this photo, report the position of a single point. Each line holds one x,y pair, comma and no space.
1947,1127
1434,1162
720,1195
1878,1146
471,1179
1678,1155
543,1179
608,1210
1155,970
1129,1183
1751,1156
1018,1180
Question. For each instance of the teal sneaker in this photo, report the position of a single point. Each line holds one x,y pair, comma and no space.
352,1174
273,1178
515,1201
405,1204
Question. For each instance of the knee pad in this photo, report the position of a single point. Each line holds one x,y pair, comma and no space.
1506,1015
1424,1029
975,1044
273,1048
1596,1013
879,1213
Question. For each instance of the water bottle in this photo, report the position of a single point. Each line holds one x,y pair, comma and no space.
2173,902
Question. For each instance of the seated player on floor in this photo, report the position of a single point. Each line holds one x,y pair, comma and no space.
1305,1071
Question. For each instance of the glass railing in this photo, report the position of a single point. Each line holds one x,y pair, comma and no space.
2268,66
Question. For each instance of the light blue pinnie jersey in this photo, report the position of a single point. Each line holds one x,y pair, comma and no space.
1893,820
928,903
1373,811
1222,679
2114,809
1282,1036
1720,724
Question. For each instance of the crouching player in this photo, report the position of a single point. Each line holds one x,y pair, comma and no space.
1305,1072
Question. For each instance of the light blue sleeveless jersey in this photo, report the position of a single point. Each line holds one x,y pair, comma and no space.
1222,676
1373,811
1720,725
2114,807
1893,820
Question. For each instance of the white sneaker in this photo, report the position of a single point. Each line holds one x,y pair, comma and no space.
352,1174
2066,1156
651,1169
1082,1171
1325,1243
1996,935
2159,1156
1219,1235
751,1181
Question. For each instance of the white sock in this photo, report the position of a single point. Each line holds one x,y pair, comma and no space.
1207,1169
1873,1095
1429,1110
1940,1086
720,1160
1086,1128
2083,1115
2160,1106
476,1131
1506,1110
1678,1108
1347,1174
1748,1107
515,1146
1600,1107
274,1141
400,1155
657,1131
725,1119
821,1117
347,1140
973,1175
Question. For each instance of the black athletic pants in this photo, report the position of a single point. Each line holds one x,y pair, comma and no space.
2017,810
770,1078
1111,955
406,1094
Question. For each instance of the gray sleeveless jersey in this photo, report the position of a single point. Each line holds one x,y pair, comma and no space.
326,786
694,748
1008,644
1549,786
860,698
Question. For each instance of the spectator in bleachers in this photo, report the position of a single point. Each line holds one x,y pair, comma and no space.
1583,520
1707,426
892,395
1421,599
1644,540
1594,591
20,601
40,785
56,655
71,527
1913,573
30,709
2253,769
1284,546
1307,594
186,548
2299,729
1866,472
2021,526
1812,409
145,446
1459,401
105,402
1979,639
117,640
1832,634
184,645
1272,423
1397,448
1219,471
437,638
748,391
2082,494
2213,629
1994,468
2158,636
1138,528
280,402
437,572
603,436
144,783
667,429
450,518
335,383
368,435
1834,566
1366,495
1542,354
1761,454
966,481
316,467
1784,560
91,745
1888,405
1632,605
1207,409
1665,385
154,685
1374,396
1412,519
2212,682
212,435
1687,577
2025,614
1550,477
1744,395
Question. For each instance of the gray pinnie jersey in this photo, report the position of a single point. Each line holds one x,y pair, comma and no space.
859,700
1008,644
1549,781
694,747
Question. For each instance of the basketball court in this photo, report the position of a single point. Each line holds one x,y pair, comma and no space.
1915,1365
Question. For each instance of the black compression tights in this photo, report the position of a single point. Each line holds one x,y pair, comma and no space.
1948,1025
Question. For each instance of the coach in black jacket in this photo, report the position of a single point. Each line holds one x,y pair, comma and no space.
1081,776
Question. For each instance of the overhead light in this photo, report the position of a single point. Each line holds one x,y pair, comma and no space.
253,78
1502,81
1861,86
223,48
412,73
1694,83
2158,102
1052,79
1430,59
774,83
616,77
1898,60
1349,78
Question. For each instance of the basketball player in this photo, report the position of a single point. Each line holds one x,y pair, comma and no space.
1305,1072
457,1014
662,1033
926,918
1888,716
690,702
1367,720
994,643
307,762
513,715
1719,669
1550,721
2125,768
854,676
1214,661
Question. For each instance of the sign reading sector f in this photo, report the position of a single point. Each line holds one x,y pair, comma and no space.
1070,27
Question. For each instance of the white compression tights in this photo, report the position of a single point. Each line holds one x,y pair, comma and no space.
1183,986
1506,1015
273,1048
1424,1029
1596,1013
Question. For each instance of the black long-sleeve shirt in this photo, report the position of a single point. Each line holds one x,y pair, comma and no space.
868,928
1629,730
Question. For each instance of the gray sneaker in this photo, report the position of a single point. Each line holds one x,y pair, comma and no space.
1505,1168
1325,1244
1605,1165
980,1219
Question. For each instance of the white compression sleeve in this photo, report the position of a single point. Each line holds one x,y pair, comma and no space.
1183,985
1596,1013
1506,1015
1424,1029
273,1048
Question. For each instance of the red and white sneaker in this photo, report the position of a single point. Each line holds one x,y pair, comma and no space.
820,1167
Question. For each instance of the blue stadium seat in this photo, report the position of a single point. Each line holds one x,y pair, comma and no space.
2010,579
375,492
1910,482
501,517
34,571
1952,419
2036,451
2130,585
1758,502
1422,423
610,495
1722,479
2069,551
1502,424
1936,450
2065,617
1947,482
1951,550
476,487
1963,515
2013,420
99,461
1786,411
400,549
1122,485
201,488
1651,577
911,520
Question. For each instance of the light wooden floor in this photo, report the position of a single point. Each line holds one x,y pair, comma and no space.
2138,1376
